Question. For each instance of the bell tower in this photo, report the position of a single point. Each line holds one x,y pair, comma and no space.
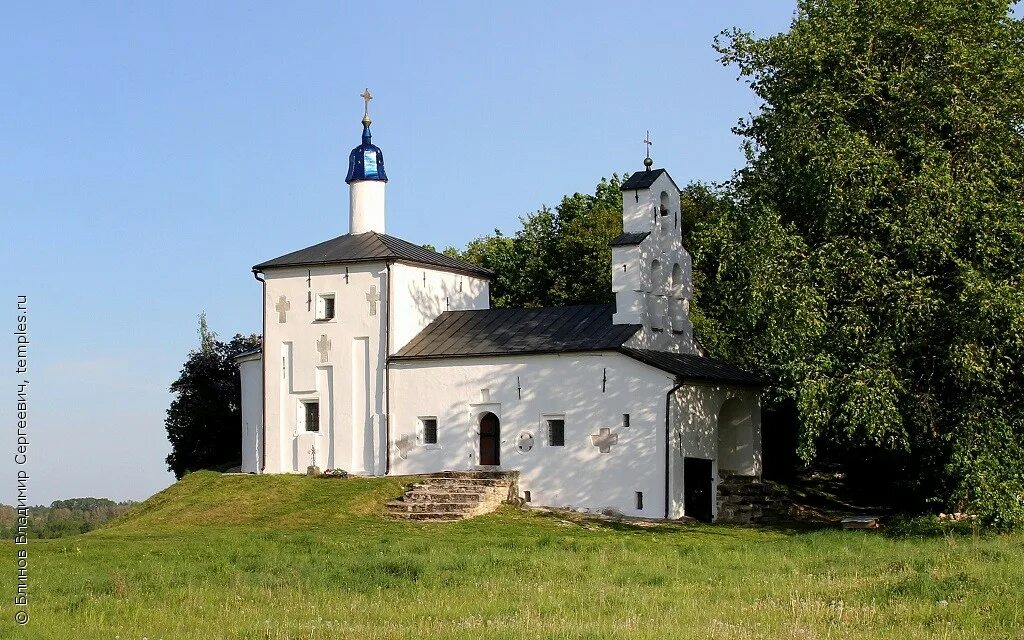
651,271
366,180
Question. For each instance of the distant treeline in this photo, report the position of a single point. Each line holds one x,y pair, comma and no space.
63,517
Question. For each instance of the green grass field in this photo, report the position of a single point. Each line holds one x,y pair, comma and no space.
292,557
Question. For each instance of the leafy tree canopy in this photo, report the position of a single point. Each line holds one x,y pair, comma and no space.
204,422
559,257
869,256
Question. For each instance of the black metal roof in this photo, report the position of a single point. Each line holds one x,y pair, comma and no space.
694,367
644,180
627,238
504,331
494,332
371,246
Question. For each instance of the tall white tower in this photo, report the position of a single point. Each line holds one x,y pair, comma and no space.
366,181
651,270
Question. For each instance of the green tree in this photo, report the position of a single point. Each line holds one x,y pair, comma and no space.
204,422
870,255
560,256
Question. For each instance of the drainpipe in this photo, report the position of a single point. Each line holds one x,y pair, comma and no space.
668,441
256,273
387,375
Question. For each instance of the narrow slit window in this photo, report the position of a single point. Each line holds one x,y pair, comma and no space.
312,416
526,496
625,420
556,432
428,428
639,500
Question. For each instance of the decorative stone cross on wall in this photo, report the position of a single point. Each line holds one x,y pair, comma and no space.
373,299
604,439
282,308
404,446
323,345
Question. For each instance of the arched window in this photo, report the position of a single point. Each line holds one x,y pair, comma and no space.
735,439
657,278
664,203
677,280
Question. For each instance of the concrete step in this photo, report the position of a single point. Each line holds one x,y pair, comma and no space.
456,483
400,506
467,497
498,475
467,482
431,517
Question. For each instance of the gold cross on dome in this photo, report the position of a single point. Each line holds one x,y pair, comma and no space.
366,96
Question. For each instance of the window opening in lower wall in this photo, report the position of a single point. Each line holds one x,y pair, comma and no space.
428,430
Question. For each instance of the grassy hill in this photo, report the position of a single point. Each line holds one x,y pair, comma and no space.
292,557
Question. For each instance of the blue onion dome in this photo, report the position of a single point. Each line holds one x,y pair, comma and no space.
366,162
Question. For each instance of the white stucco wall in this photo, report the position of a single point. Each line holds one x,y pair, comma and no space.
366,206
422,293
251,379
697,433
349,383
570,385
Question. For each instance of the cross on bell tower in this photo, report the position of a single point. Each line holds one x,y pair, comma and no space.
647,161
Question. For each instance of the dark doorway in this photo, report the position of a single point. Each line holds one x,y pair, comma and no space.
698,490
490,440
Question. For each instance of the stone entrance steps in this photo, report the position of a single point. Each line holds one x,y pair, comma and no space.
455,495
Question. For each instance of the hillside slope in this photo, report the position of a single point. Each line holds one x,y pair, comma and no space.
288,557
210,499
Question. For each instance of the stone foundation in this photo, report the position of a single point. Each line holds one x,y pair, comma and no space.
748,500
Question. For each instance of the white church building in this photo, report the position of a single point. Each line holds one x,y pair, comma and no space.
381,357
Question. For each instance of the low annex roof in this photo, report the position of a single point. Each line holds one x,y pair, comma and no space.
693,367
370,246
249,355
493,332
504,331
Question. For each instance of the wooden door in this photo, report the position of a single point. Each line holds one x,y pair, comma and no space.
490,440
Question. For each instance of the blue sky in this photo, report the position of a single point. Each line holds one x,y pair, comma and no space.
153,152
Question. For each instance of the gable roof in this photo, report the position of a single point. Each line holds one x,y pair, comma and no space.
644,180
627,238
693,367
504,331
371,246
494,332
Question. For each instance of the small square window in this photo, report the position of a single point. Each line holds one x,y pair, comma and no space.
556,432
625,420
312,410
325,306
527,497
428,430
